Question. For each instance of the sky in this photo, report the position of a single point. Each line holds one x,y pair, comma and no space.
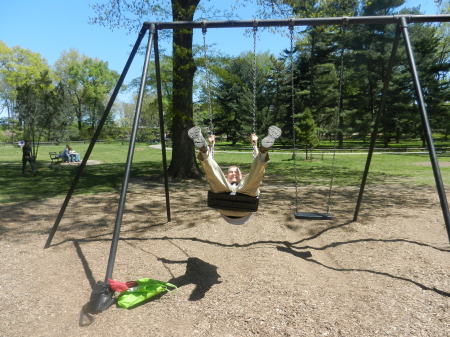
49,27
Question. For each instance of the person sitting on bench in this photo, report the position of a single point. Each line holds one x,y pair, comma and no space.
65,155
233,182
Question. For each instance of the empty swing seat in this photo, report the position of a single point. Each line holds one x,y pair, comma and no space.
233,202
313,216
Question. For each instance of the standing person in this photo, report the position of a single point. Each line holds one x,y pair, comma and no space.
233,182
27,157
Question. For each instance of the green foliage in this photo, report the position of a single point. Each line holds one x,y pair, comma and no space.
10,130
241,102
38,106
18,67
87,85
306,131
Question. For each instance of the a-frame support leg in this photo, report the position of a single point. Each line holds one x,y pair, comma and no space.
376,126
426,124
425,121
123,192
95,137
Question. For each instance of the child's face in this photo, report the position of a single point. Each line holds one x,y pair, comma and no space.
234,175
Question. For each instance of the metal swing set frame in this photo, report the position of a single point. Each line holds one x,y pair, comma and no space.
153,28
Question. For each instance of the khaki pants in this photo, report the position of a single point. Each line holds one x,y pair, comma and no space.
249,185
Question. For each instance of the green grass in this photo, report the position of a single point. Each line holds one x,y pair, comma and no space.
386,168
348,143
55,180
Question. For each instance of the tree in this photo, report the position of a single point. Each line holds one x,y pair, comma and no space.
38,105
9,130
72,84
131,14
306,131
432,66
183,162
400,116
149,120
87,82
18,66
236,96
279,82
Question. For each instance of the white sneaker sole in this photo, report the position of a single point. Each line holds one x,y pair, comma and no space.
267,142
274,132
195,134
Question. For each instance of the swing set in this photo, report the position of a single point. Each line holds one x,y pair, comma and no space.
401,22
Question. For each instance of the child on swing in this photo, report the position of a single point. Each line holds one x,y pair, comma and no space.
233,182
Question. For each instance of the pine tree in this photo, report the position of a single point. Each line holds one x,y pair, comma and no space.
306,131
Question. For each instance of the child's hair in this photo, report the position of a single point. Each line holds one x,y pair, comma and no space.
238,168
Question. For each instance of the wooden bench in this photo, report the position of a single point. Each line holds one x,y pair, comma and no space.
56,156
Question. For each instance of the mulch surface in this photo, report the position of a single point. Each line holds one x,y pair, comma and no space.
386,274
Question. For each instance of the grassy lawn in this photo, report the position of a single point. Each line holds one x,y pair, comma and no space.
55,180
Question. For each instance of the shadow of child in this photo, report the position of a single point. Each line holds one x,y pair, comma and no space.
198,272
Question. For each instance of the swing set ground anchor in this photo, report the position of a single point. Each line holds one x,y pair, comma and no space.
313,216
101,298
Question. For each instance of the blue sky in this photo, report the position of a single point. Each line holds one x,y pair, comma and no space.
49,27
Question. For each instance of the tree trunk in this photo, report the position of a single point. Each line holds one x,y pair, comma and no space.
183,164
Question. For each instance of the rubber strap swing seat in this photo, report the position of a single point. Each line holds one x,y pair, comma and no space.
313,216
233,202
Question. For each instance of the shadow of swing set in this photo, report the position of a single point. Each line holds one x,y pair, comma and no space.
251,203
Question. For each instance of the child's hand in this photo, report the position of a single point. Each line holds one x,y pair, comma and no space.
254,139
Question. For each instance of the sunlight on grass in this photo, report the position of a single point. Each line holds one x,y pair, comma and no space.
54,179
107,175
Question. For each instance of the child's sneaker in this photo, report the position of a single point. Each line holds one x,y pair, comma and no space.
195,134
273,133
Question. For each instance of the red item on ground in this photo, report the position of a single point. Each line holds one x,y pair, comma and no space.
120,286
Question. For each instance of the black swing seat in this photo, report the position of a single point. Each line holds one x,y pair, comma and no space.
233,202
313,216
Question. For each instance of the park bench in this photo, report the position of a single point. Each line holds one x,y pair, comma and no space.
56,156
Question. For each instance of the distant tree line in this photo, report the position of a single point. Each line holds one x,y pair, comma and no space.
323,105
65,102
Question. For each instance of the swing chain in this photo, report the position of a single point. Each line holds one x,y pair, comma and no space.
338,113
294,142
255,30
208,80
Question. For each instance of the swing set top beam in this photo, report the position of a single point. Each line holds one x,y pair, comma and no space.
329,21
